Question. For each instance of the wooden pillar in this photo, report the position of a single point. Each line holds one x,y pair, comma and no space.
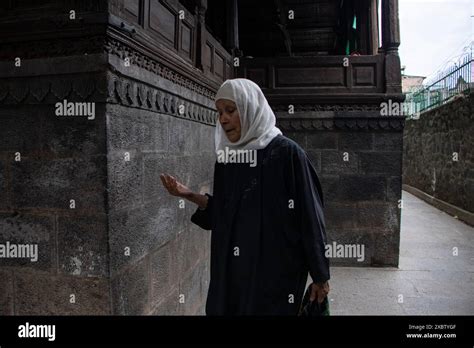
390,26
390,43
232,27
373,27
363,28
201,33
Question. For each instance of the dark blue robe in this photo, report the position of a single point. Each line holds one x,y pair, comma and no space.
268,232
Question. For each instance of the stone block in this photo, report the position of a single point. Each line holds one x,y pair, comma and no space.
141,230
340,215
184,136
6,293
386,248
191,249
329,185
315,158
206,138
143,131
163,270
184,210
339,162
126,133
321,140
19,130
29,229
394,189
53,183
125,180
356,245
130,290
44,294
73,136
5,200
388,141
154,165
183,170
83,246
298,137
360,188
190,289
356,141
169,305
378,216
381,163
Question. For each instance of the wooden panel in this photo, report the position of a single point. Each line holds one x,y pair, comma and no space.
131,6
163,20
228,74
186,40
30,3
30,6
309,76
207,59
219,66
215,59
315,75
363,76
314,13
258,75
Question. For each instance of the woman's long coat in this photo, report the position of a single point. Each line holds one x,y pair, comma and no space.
268,232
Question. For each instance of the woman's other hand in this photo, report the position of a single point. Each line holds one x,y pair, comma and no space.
174,187
319,291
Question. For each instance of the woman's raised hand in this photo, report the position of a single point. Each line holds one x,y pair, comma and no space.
174,187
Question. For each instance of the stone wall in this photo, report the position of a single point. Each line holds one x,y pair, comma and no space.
53,190
169,256
123,245
359,165
431,144
159,260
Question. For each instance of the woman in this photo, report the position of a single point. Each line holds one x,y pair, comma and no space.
266,219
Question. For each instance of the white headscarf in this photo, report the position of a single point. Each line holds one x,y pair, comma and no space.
257,120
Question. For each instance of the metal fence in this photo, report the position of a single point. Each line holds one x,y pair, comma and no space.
457,78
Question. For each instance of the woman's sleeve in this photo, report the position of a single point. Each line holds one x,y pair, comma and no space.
309,205
203,217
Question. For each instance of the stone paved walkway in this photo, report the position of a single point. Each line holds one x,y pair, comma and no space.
431,280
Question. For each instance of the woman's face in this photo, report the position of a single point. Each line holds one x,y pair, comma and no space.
229,119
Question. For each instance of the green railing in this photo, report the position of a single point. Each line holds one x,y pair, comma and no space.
456,79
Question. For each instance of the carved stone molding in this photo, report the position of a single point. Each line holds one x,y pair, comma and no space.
51,89
119,49
342,116
101,88
128,92
327,107
308,124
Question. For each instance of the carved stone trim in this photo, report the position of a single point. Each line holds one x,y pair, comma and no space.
51,89
117,48
132,93
101,88
327,107
369,123
332,116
